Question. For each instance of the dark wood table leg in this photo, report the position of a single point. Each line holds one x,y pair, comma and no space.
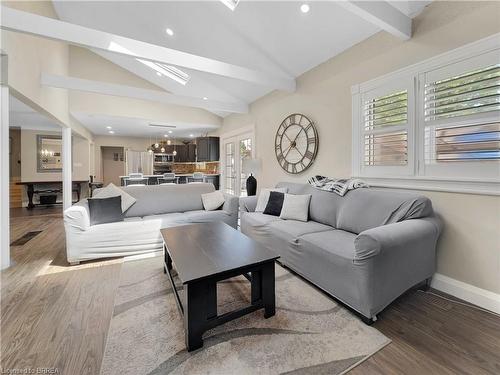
268,286
211,300
195,314
30,190
256,283
168,261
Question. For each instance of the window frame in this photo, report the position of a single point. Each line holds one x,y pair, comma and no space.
478,177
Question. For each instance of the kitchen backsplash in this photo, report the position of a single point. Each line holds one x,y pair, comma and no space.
207,167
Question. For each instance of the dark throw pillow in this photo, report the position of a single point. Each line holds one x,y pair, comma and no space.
275,203
105,210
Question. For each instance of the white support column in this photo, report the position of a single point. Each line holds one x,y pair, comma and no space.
4,178
67,168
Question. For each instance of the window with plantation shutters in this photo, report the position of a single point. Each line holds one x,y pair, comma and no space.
460,118
433,124
385,143
386,128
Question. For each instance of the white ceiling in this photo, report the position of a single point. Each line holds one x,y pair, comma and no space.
24,117
269,36
139,127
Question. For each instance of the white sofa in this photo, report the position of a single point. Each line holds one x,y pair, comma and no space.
156,207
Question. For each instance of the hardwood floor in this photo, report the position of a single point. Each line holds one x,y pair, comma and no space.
56,316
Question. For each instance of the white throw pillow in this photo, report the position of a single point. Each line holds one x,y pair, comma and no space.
295,207
212,201
113,191
264,198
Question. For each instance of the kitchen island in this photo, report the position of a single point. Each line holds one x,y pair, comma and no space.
183,177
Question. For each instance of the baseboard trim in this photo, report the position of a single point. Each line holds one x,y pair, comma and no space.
470,293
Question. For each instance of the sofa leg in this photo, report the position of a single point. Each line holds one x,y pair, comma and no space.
425,285
74,263
368,321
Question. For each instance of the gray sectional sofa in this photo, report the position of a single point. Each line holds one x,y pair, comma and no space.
156,207
365,249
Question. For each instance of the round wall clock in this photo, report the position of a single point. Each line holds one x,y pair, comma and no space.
296,143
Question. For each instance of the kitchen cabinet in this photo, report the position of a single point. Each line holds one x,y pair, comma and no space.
207,149
181,156
185,153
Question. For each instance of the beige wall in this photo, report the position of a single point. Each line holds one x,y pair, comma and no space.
28,57
81,158
469,249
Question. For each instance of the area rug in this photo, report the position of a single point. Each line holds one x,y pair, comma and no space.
310,333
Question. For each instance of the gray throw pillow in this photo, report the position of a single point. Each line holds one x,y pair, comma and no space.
105,210
295,207
112,191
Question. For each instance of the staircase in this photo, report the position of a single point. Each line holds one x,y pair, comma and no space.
16,193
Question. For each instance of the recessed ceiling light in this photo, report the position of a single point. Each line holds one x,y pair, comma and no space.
111,132
166,135
158,74
231,4
170,131
109,127
205,98
169,31
191,135
304,8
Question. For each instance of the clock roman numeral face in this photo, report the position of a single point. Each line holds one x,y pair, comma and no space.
296,143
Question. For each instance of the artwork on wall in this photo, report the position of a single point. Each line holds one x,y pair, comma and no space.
296,143
49,153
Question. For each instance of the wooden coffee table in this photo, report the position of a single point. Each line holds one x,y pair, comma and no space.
204,254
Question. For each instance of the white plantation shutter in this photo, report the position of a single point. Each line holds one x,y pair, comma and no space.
387,118
461,118
435,124
473,92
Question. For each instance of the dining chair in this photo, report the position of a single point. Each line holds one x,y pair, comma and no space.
168,178
197,177
136,179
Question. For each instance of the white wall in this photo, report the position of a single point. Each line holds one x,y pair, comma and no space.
469,249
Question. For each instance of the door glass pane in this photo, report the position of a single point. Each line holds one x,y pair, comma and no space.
230,173
245,153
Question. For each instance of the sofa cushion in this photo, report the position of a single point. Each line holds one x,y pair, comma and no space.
258,219
202,216
337,243
162,199
166,220
364,209
291,229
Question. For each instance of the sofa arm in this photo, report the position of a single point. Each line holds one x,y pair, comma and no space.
248,204
230,204
410,235
77,216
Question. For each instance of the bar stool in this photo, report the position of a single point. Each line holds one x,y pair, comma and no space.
197,177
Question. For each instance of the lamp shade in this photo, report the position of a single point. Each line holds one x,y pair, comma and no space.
251,166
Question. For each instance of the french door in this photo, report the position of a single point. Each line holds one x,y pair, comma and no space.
235,150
